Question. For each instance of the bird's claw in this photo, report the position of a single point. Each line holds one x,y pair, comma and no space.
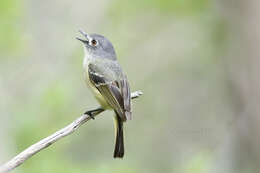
89,113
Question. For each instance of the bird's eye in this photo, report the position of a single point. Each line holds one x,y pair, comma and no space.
93,42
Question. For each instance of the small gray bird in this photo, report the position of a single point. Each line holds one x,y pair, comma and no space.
109,84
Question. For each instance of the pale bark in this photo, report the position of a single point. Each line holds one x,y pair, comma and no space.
46,142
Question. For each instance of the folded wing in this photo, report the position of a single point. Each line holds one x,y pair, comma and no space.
114,87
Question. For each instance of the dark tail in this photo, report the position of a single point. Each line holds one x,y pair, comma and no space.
119,146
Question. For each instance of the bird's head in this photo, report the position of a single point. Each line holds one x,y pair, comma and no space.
97,46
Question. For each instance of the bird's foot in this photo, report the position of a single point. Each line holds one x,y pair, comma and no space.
90,114
93,112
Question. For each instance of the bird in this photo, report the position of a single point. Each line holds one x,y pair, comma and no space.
107,81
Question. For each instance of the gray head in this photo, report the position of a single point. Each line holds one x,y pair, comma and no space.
97,46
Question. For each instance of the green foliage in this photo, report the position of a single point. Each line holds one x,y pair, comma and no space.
199,163
10,9
55,97
10,15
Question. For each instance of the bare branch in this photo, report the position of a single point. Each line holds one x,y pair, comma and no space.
46,142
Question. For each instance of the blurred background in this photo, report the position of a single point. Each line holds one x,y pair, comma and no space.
197,63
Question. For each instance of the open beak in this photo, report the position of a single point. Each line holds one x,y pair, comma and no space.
85,35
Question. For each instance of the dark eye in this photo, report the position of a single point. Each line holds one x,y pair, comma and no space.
93,42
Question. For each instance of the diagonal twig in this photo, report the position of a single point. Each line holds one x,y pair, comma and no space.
46,142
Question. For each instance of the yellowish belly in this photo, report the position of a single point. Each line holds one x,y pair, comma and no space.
103,103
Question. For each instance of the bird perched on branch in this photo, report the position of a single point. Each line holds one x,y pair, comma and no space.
109,84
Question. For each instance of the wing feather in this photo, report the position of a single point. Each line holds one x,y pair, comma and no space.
115,92
125,90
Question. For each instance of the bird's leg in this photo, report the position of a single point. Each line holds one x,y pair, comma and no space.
94,112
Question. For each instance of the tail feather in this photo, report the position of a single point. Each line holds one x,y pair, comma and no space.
119,145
